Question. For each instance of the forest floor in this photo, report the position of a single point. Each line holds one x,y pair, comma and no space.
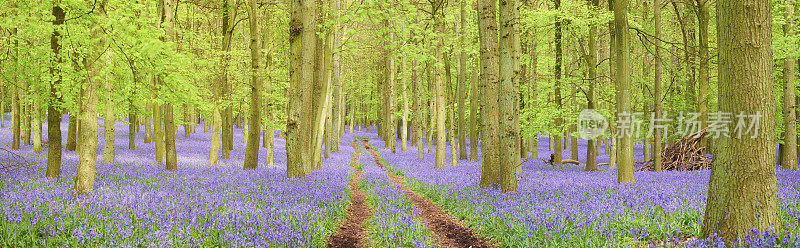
407,202
450,233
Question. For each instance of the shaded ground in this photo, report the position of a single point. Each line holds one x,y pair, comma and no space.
450,232
351,232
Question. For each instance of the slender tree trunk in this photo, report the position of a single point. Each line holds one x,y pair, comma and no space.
624,94
148,133
216,138
323,101
439,88
132,125
462,81
404,82
254,125
269,132
72,128
87,151
15,111
591,65
110,119
338,94
741,199
789,159
171,160
158,132
473,117
37,125
657,135
418,120
556,139
53,109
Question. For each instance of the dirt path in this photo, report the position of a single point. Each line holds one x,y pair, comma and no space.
450,232
351,232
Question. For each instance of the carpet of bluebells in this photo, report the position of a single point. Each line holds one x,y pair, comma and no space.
396,222
567,207
136,203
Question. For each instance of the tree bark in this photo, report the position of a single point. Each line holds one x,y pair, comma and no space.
591,65
789,158
742,198
462,81
490,116
171,160
87,151
301,69
404,73
439,85
473,117
509,71
254,125
54,108
657,139
623,78
556,139
110,119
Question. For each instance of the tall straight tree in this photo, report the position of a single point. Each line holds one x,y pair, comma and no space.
439,85
556,139
742,191
54,106
657,139
507,95
404,71
591,66
789,159
301,69
251,154
705,60
15,99
462,81
490,116
87,152
171,157
624,94
110,119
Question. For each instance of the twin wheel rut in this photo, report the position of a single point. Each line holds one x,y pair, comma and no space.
352,232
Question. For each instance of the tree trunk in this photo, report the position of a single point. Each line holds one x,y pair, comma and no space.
158,131
591,65
338,94
53,111
15,111
171,160
490,116
439,88
148,133
418,120
37,125
462,81
624,94
657,135
254,125
703,73
110,119
556,139
404,71
741,199
507,96
87,151
474,102
789,159
301,69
